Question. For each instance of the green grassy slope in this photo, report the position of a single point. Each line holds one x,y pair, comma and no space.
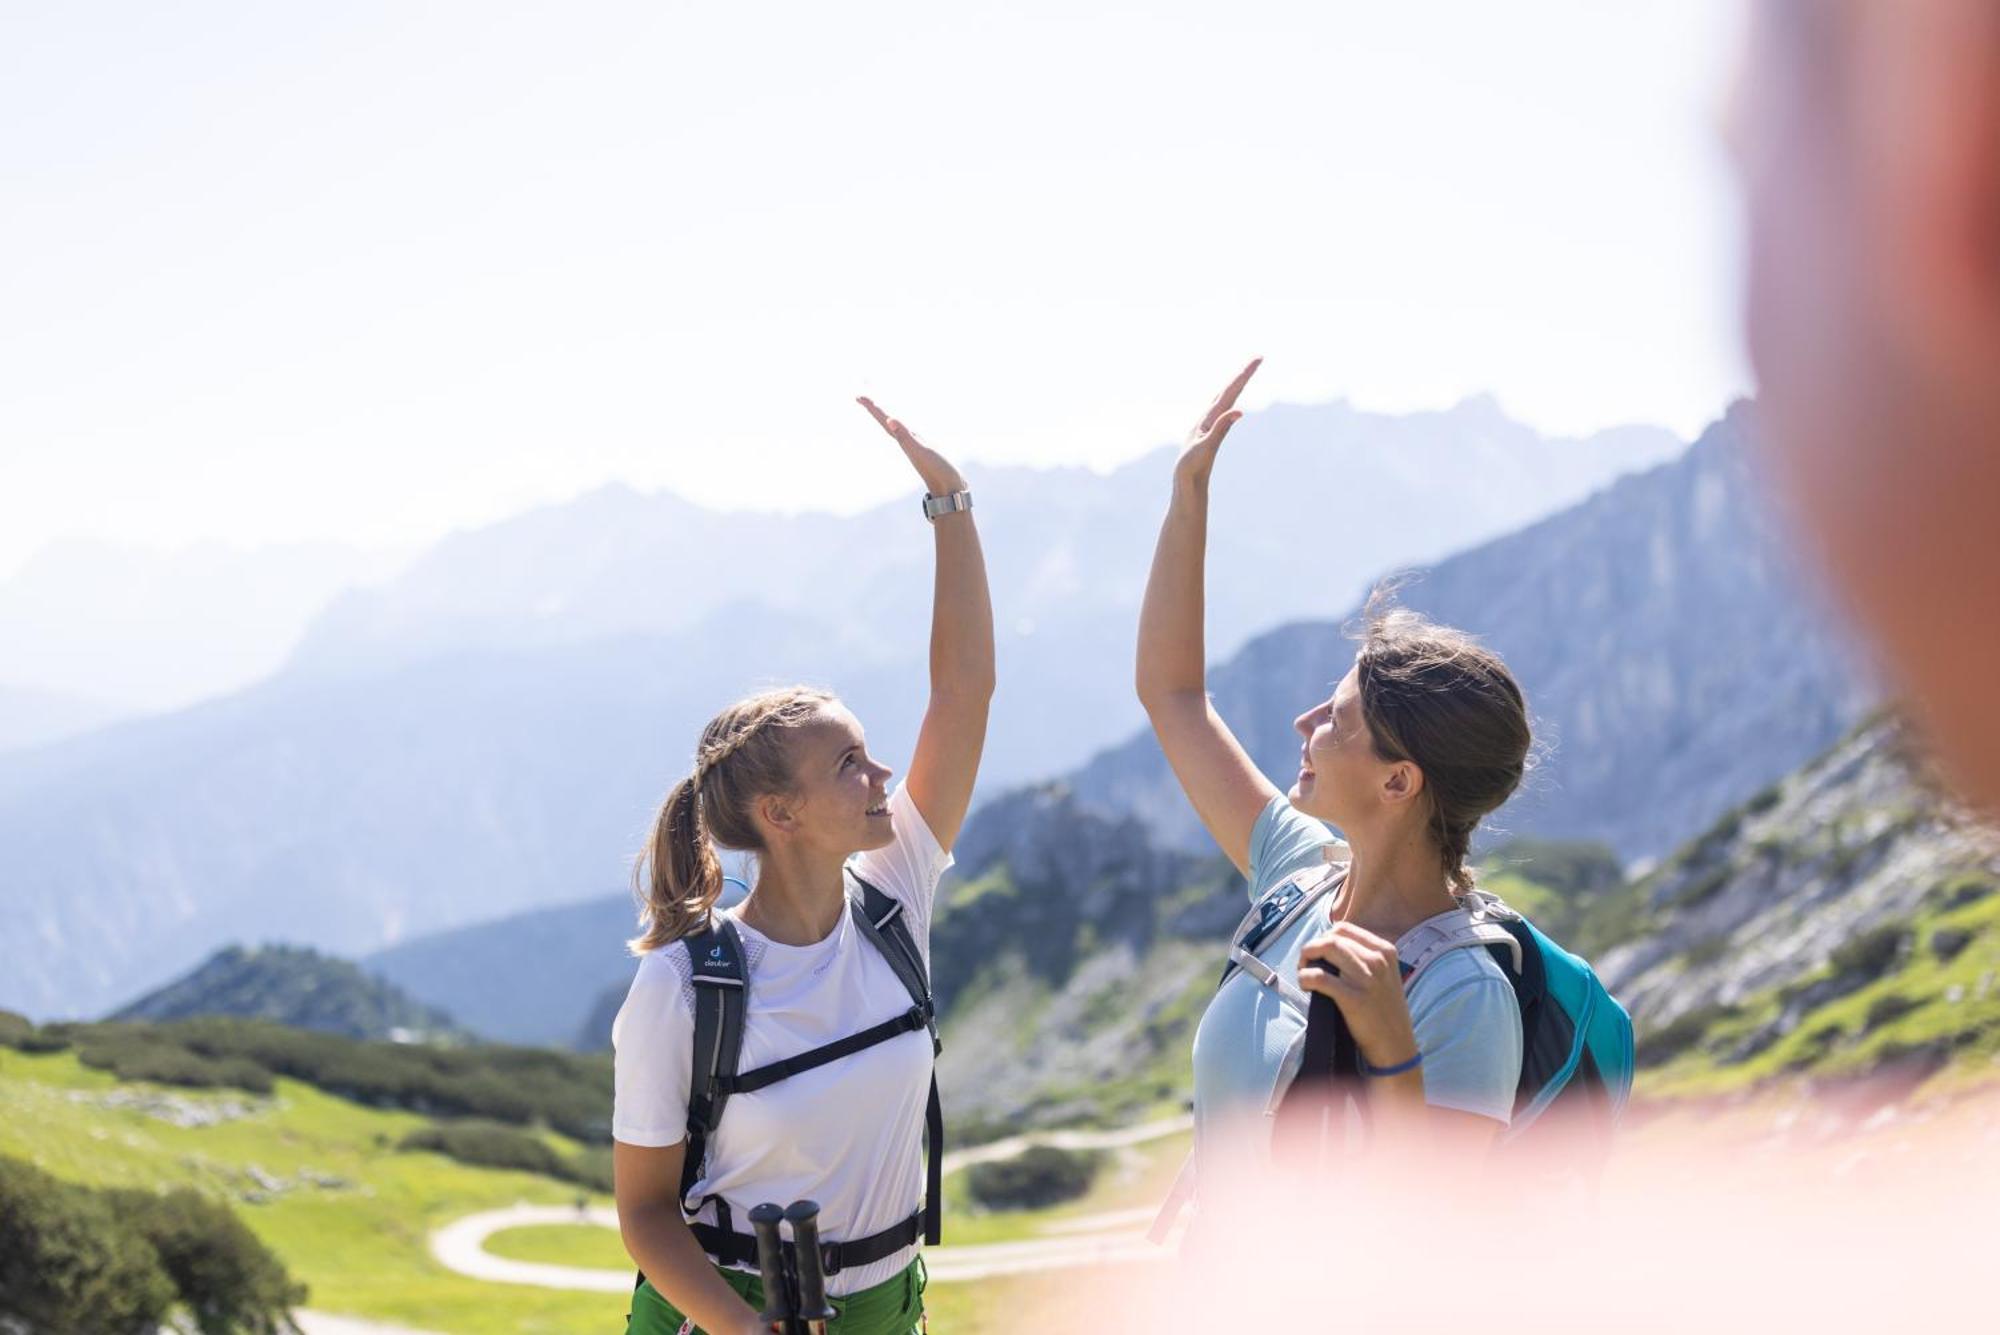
316,1178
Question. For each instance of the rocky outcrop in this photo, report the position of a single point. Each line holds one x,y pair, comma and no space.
1806,894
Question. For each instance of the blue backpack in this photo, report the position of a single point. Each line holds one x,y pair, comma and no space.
1576,1040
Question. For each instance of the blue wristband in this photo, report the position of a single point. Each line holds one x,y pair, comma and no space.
1398,1069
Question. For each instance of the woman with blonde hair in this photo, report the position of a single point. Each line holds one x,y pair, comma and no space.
815,1080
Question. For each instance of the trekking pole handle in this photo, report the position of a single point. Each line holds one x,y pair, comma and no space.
814,1309
771,1267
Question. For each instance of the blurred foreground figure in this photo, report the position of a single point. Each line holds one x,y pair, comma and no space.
1868,133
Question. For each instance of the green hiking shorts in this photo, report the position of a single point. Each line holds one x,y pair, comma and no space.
893,1307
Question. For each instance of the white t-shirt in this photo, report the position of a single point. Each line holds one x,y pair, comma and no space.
848,1134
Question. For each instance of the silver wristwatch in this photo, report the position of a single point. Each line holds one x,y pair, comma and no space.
944,505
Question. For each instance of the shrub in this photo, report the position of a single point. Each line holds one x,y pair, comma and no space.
1887,1007
19,1032
1870,954
69,1264
229,1282
1657,1047
1947,942
135,1057
1034,1179
486,1145
491,1145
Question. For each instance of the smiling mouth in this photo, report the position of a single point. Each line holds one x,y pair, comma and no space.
879,809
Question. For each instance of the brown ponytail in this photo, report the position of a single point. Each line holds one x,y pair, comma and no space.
744,754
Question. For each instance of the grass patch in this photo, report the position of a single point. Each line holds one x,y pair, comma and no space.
589,1246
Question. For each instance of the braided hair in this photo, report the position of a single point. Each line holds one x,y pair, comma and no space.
744,754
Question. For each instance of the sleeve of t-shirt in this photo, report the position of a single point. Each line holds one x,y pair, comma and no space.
1283,841
1470,1036
908,869
652,1042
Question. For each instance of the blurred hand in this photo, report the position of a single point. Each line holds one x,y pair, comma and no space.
1198,455
939,477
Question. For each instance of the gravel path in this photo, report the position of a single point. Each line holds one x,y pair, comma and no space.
325,1323
1113,1238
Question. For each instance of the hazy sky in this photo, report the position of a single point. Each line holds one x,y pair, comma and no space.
374,271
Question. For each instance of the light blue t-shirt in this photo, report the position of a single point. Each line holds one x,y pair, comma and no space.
1467,1022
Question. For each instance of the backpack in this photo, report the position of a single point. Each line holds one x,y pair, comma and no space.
1576,1040
721,990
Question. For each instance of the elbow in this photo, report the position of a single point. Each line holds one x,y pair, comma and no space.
966,692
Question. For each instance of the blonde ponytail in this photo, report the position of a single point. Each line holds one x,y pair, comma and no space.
744,754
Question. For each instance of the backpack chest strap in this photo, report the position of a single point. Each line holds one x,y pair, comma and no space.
763,1077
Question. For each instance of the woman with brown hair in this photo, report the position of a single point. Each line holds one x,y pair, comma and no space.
826,1096
1424,735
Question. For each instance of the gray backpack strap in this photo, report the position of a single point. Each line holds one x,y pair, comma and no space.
1428,942
1271,915
880,918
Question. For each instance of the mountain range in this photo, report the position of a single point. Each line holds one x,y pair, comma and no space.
488,733
1675,662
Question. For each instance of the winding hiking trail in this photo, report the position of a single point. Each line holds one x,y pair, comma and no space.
1117,1237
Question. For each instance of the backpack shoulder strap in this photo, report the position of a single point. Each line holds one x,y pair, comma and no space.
721,984
880,918
1275,911
1428,942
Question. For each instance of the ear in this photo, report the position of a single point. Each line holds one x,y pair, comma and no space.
1404,784
778,813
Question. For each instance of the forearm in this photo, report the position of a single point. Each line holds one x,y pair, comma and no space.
961,614
661,1242
1172,654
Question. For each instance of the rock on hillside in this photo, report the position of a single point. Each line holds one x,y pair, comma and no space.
1674,659
1846,899
293,986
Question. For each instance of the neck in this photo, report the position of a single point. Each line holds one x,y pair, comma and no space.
798,898
1394,883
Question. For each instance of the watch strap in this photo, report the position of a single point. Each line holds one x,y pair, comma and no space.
946,504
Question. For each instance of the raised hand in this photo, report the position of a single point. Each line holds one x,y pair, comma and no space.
1198,455
939,477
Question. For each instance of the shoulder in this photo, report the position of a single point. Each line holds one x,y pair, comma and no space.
1465,987
662,992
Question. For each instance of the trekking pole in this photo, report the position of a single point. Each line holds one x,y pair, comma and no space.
814,1310
780,1307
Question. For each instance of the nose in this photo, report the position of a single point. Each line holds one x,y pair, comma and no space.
1303,724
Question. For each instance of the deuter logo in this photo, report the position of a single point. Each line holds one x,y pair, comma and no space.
715,953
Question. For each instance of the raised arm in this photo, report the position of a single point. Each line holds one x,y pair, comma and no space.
1225,788
946,761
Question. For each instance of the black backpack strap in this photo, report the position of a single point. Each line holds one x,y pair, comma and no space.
881,920
721,981
730,1248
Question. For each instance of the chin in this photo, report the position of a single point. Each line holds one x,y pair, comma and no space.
881,833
